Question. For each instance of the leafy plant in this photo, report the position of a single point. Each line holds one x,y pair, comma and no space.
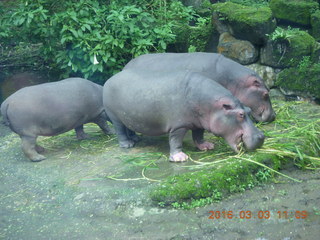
283,34
94,38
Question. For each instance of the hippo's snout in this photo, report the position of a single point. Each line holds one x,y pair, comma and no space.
255,141
268,115
271,117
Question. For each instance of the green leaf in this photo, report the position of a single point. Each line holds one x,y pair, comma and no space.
74,32
80,33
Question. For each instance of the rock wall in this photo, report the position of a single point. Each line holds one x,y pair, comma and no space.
279,39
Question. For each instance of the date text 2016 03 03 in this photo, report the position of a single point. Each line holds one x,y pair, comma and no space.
244,214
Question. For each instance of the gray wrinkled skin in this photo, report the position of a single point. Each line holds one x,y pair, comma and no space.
154,103
52,108
243,82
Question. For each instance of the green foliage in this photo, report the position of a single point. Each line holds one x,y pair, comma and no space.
95,38
315,24
281,34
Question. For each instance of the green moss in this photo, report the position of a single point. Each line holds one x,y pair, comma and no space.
297,11
291,138
304,79
315,24
236,176
250,23
249,15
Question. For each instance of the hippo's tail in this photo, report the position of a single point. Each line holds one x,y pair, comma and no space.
4,109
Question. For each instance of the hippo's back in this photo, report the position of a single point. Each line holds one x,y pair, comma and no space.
52,108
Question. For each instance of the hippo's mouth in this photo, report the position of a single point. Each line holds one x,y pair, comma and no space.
238,144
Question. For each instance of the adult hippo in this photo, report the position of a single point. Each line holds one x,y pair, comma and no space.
52,108
243,82
174,103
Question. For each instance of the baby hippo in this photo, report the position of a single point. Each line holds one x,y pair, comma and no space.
156,103
52,108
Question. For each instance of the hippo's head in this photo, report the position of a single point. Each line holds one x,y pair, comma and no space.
256,96
232,122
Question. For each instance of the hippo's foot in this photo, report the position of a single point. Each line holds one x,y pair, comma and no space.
205,146
126,143
82,135
178,157
40,149
37,158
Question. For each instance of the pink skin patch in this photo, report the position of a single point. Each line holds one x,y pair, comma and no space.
205,146
178,157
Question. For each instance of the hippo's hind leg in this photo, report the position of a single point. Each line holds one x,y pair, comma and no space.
101,122
197,136
80,133
175,141
122,132
30,148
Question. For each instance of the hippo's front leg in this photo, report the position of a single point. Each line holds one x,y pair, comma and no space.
121,131
175,141
29,148
197,136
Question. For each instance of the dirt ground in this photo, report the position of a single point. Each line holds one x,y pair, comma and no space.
68,196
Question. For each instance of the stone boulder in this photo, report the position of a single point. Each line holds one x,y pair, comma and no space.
239,50
294,11
268,74
245,22
288,49
303,80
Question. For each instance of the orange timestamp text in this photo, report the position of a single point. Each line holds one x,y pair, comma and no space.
244,214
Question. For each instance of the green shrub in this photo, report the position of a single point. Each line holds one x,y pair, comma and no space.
93,38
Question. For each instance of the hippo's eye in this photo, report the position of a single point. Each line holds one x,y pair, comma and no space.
227,106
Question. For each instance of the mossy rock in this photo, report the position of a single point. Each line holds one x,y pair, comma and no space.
295,11
209,183
245,22
197,37
315,24
288,51
301,81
